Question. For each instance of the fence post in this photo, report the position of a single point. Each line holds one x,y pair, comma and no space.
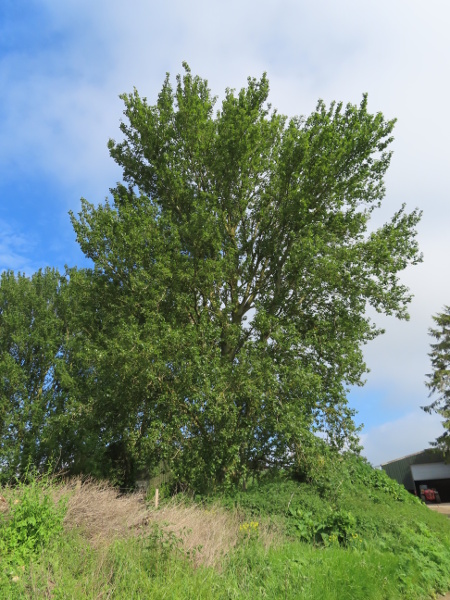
156,497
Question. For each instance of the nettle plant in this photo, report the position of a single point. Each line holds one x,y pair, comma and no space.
336,527
34,520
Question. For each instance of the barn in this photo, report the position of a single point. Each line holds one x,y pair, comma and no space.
425,468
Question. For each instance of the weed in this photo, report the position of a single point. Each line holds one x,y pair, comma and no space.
32,521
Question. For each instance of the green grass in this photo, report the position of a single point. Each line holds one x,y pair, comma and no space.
292,570
363,539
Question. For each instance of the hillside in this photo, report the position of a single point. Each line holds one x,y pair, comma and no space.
347,533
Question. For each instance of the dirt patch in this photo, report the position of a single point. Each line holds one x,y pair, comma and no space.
443,509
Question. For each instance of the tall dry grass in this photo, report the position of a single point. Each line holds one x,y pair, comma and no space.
212,530
102,514
99,511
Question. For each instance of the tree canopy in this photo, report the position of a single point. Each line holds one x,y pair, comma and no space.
30,340
225,313
238,264
439,379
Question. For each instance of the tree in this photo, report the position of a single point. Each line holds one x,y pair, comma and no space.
439,380
48,377
31,337
238,263
111,375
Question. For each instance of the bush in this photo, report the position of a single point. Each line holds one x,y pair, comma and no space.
336,527
32,522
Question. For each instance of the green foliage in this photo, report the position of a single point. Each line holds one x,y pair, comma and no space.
372,517
337,526
161,544
439,379
225,314
304,524
323,466
31,336
32,522
237,267
260,500
377,479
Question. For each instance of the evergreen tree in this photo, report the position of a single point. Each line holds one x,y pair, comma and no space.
439,379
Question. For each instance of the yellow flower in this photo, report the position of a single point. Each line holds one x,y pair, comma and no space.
246,527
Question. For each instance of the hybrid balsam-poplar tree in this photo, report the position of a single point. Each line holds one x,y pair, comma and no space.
242,262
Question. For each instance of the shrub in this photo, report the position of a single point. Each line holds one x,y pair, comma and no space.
336,527
31,523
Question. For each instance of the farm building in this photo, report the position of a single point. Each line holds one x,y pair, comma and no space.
425,468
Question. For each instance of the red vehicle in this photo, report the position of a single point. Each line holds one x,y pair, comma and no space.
430,495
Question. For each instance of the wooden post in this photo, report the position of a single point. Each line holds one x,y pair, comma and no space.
156,497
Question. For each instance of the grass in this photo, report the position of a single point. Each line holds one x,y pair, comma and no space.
280,539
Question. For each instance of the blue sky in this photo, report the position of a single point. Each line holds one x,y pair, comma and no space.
63,65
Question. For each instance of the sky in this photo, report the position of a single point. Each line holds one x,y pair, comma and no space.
64,64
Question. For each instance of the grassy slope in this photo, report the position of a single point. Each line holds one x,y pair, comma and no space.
350,533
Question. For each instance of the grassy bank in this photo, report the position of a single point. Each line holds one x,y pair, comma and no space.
351,534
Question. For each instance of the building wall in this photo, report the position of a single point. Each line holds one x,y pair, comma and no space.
400,469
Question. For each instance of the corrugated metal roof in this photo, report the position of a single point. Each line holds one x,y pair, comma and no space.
407,456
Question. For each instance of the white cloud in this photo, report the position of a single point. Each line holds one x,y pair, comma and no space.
409,434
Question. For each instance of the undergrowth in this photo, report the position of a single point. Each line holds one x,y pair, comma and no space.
349,534
30,522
